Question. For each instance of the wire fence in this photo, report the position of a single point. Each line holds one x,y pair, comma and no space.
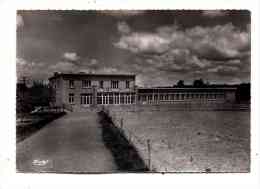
157,153
146,147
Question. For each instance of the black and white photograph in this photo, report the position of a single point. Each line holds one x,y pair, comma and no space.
133,91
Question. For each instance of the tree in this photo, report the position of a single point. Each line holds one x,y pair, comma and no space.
198,83
180,83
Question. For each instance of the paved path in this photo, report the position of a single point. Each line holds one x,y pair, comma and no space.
72,143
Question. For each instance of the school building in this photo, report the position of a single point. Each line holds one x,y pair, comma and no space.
85,90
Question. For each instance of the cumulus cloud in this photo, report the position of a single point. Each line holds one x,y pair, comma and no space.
221,41
19,21
198,49
123,28
143,42
214,13
71,56
63,67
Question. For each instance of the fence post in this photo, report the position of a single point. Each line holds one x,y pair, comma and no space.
121,123
149,153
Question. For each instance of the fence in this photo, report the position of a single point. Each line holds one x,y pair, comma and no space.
147,148
157,153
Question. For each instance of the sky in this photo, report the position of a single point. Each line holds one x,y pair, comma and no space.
160,47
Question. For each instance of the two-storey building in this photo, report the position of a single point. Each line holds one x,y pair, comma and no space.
81,89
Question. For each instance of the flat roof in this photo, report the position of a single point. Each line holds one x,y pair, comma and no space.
142,89
89,74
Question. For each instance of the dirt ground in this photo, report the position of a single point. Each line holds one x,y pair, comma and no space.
191,141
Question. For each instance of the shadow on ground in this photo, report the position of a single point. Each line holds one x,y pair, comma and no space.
125,154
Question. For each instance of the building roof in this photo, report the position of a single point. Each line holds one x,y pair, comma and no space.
170,89
82,74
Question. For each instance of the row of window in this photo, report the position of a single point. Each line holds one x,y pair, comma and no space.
105,98
115,98
84,98
87,84
177,96
129,98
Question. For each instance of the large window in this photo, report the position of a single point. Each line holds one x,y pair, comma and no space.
133,98
150,98
110,98
105,98
127,84
127,98
116,98
101,84
122,99
86,99
156,97
71,98
71,84
114,84
99,98
86,83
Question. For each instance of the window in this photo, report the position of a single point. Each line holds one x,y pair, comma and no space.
116,98
172,97
99,98
86,99
71,84
161,96
114,84
86,83
166,97
127,84
71,98
150,97
128,98
132,98
105,98
101,84
156,97
110,97
122,98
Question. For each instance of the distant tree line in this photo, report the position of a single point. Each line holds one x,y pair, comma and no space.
27,98
242,93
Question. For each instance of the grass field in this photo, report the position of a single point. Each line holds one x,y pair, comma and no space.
190,141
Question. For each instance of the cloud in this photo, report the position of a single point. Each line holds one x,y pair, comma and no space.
63,67
123,28
143,42
71,56
19,21
214,13
122,13
221,41
217,50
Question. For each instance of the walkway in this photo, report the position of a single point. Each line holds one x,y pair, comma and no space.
72,143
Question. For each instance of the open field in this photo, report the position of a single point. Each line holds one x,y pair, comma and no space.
189,141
